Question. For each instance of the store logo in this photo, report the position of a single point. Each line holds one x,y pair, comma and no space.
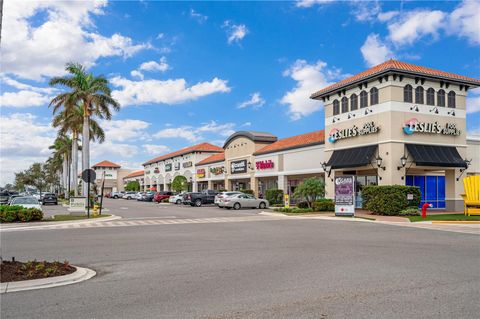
340,134
238,167
216,170
268,164
414,126
200,173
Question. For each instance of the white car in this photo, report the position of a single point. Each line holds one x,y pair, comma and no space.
176,199
219,198
26,201
139,195
129,195
244,200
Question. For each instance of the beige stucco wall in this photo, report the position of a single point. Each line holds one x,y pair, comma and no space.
473,153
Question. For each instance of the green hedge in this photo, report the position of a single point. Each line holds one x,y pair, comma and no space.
323,205
293,210
389,200
302,205
247,191
10,214
274,196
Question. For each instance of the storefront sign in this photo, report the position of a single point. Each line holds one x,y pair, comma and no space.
237,167
414,126
268,164
216,170
201,173
187,164
345,195
77,204
156,170
286,201
368,128
168,167
108,175
177,166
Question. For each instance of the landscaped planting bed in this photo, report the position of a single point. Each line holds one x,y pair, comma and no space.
17,271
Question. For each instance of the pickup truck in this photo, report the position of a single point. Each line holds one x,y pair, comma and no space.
198,199
117,195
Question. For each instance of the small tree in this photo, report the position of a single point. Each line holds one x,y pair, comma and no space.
133,186
179,184
310,190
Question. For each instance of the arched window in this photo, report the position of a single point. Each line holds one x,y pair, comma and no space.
408,93
430,96
363,99
451,99
344,104
441,97
336,107
419,95
353,102
373,96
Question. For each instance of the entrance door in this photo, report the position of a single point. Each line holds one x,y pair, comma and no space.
361,181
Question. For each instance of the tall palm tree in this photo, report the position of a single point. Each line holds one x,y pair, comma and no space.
95,96
70,119
62,147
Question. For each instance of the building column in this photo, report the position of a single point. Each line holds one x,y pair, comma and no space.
254,185
453,190
194,185
330,185
391,154
228,184
283,183
210,184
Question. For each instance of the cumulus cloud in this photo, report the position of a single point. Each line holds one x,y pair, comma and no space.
108,150
465,21
235,32
374,51
154,149
194,134
366,10
21,99
153,66
172,91
255,100
125,130
310,78
311,3
37,49
198,16
184,132
473,101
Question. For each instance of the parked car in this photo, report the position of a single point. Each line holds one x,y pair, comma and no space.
129,195
26,201
117,194
4,197
198,199
12,196
147,197
49,198
244,200
161,196
176,199
139,195
220,196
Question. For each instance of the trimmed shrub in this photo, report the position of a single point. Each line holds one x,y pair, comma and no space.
10,214
277,205
389,200
302,205
247,191
410,212
323,205
294,210
274,196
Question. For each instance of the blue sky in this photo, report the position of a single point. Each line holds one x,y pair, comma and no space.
188,72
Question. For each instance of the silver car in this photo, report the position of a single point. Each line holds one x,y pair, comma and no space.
219,198
244,200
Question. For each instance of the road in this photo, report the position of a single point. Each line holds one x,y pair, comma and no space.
286,268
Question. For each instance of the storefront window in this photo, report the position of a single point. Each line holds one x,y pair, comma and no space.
430,96
373,96
336,107
441,98
407,93
451,99
419,95
353,102
344,104
432,189
363,99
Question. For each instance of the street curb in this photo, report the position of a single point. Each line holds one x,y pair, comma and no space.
465,222
39,225
81,274
355,219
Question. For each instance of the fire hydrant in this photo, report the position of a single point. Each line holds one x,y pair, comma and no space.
424,209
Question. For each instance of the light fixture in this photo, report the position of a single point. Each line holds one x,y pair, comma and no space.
350,115
452,113
367,110
379,162
403,162
324,166
414,108
434,109
335,119
250,165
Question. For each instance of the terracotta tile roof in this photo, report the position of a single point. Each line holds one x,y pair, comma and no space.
203,147
313,138
220,157
106,164
135,174
394,65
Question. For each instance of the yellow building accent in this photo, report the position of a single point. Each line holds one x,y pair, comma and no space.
472,195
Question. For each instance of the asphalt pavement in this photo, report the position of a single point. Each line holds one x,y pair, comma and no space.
287,268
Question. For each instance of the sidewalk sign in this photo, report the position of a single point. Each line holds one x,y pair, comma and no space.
345,195
77,205
286,201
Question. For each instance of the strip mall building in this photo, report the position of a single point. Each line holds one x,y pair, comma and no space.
394,124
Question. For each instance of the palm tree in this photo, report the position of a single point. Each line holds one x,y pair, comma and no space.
95,96
62,147
70,119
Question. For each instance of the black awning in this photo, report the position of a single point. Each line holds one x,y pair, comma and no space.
352,157
432,155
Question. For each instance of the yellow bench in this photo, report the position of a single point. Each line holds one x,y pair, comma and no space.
471,198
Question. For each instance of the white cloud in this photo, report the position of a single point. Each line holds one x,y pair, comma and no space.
255,100
374,51
161,35
24,140
172,91
23,98
247,124
137,74
235,32
465,21
473,101
184,132
195,134
213,127
108,150
198,16
366,10
311,3
41,49
152,66
386,16
310,78
125,130
153,149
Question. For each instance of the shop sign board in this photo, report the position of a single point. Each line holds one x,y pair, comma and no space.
187,164
266,164
156,170
286,201
177,166
77,204
415,126
218,170
340,134
201,173
168,167
237,167
345,195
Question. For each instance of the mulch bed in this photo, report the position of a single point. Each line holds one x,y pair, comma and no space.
17,271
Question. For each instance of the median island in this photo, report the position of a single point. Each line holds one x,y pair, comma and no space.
17,271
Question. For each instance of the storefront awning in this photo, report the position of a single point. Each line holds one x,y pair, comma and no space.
352,157
432,155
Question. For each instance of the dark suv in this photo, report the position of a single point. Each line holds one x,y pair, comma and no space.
49,198
198,199
4,197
